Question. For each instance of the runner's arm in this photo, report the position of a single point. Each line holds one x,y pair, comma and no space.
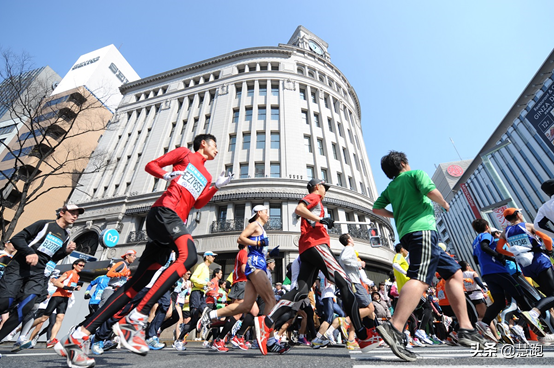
500,248
155,167
399,268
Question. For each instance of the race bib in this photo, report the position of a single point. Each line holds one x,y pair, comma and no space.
441,295
50,266
520,240
193,181
50,245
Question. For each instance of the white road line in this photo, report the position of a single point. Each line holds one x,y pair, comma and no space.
27,354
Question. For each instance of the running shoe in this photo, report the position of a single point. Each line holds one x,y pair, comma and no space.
110,344
518,332
504,331
329,336
236,327
485,331
371,342
219,345
131,335
447,321
155,344
17,346
418,343
396,341
422,336
204,320
320,342
436,340
207,344
547,340
238,342
454,336
71,348
450,341
178,345
97,348
534,324
470,338
303,341
51,343
344,326
352,345
263,333
279,348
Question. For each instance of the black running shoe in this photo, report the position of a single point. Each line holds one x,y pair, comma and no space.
395,340
471,338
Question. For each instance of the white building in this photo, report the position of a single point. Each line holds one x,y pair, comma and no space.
282,115
102,71
510,168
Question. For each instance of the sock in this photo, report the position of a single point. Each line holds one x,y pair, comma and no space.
318,335
78,334
213,314
271,341
301,336
330,331
534,314
137,316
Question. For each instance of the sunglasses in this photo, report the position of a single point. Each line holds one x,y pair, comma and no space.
81,265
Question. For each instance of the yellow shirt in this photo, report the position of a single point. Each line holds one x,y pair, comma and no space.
401,279
200,277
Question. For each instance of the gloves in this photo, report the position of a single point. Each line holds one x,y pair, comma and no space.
263,242
329,222
87,296
274,252
501,259
548,252
172,175
223,180
508,258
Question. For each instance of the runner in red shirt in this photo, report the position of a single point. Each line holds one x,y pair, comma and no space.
165,225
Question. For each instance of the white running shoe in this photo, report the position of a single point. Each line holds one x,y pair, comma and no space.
422,335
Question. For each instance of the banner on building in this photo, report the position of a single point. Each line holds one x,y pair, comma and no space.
498,213
541,116
470,200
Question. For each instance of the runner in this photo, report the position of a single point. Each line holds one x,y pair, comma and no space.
99,284
544,221
410,194
189,187
255,238
39,247
315,254
118,274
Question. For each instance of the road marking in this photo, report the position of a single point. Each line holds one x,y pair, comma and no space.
27,354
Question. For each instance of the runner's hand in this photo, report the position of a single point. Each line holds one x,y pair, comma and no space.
87,295
263,242
223,180
32,259
329,222
71,246
172,175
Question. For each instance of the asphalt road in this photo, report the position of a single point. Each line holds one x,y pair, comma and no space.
300,356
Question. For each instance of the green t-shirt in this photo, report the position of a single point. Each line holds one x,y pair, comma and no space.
413,211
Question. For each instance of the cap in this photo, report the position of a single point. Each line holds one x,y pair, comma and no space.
130,252
442,246
312,183
255,211
510,211
495,230
71,207
209,253
548,187
270,261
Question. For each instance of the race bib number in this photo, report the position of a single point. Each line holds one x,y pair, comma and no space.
520,240
50,245
441,295
193,181
50,266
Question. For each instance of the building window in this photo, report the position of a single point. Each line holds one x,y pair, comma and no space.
275,90
232,143
248,114
222,213
362,189
310,172
345,154
350,136
263,90
313,95
316,120
324,175
246,141
308,143
356,162
302,94
17,153
275,220
320,148
261,113
239,212
340,183
260,140
243,171
351,183
239,91
235,116
194,124
7,129
275,170
326,101
330,124
339,128
335,152
259,170
304,117
275,140
207,122
275,113
250,91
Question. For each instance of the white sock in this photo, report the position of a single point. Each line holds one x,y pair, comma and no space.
136,316
213,314
78,334
330,331
301,336
319,336
534,314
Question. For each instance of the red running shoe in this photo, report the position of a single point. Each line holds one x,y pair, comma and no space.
72,349
51,343
219,345
239,342
371,342
131,335
263,333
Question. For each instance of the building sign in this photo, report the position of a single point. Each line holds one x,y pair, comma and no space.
118,73
110,238
80,255
85,63
542,118
498,214
470,200
455,171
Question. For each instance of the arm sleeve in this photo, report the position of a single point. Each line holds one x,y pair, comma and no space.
399,268
545,239
424,183
479,282
382,201
205,197
155,167
500,248
486,248
116,269
475,259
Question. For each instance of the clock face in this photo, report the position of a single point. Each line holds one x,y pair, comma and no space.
455,171
315,47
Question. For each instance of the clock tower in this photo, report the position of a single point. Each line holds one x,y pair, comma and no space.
305,39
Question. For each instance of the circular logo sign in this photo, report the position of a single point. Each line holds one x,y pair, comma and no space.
455,171
110,237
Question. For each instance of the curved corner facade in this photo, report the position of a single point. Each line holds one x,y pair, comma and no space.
281,115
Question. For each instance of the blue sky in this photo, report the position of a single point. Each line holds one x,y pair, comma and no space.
424,71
